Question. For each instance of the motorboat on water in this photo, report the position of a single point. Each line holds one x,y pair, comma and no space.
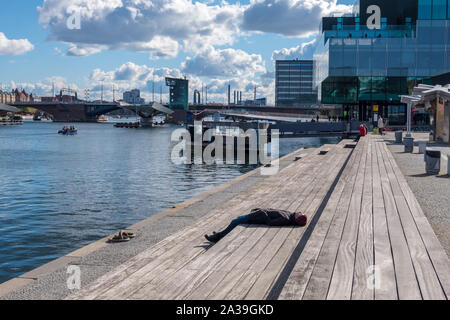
66,131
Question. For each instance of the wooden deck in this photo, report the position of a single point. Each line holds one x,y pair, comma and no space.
372,219
361,213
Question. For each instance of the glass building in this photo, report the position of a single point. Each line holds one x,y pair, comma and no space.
179,93
366,67
294,83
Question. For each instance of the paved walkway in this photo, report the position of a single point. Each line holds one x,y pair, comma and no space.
432,191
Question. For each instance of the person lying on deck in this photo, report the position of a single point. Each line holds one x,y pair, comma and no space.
270,217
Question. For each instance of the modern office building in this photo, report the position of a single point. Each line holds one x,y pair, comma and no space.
294,83
367,59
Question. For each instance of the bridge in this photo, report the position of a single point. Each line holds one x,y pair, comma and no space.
83,111
5,109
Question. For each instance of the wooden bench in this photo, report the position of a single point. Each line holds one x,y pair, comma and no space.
372,219
247,262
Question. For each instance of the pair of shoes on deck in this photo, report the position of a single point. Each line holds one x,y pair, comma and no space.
215,237
123,236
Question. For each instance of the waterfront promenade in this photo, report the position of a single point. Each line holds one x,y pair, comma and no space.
363,217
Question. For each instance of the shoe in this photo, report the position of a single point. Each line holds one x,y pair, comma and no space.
215,237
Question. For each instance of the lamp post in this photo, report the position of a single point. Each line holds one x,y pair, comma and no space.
408,119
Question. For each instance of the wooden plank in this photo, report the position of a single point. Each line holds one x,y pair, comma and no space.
382,244
318,284
430,287
407,286
297,281
252,274
364,248
220,282
196,273
439,258
262,286
342,278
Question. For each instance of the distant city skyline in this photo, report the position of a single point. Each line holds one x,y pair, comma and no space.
132,44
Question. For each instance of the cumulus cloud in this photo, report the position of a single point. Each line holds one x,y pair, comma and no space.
45,86
224,62
14,47
296,18
130,75
304,51
154,26
83,50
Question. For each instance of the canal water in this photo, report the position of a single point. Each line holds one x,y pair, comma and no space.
60,193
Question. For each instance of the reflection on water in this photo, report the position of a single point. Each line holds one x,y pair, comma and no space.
59,193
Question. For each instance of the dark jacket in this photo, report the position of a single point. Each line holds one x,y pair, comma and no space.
272,217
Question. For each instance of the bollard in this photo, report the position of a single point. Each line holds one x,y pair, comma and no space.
398,136
433,161
448,164
409,144
422,147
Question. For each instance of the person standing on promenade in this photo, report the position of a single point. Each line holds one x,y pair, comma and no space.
270,217
381,125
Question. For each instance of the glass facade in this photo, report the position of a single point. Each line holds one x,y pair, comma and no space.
434,9
366,71
425,55
179,93
294,83
352,90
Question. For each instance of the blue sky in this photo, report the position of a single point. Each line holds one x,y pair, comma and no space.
128,43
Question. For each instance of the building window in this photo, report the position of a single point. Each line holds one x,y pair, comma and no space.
424,9
439,9
448,9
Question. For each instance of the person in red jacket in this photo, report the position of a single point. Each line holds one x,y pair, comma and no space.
270,217
362,130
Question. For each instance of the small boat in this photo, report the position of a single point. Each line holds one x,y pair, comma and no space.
128,125
102,118
68,131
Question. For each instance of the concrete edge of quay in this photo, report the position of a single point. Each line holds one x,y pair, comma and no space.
10,287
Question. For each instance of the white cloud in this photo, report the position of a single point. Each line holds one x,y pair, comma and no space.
294,18
14,47
224,62
44,87
159,47
154,26
130,75
304,51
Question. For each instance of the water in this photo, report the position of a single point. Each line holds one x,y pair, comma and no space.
59,193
